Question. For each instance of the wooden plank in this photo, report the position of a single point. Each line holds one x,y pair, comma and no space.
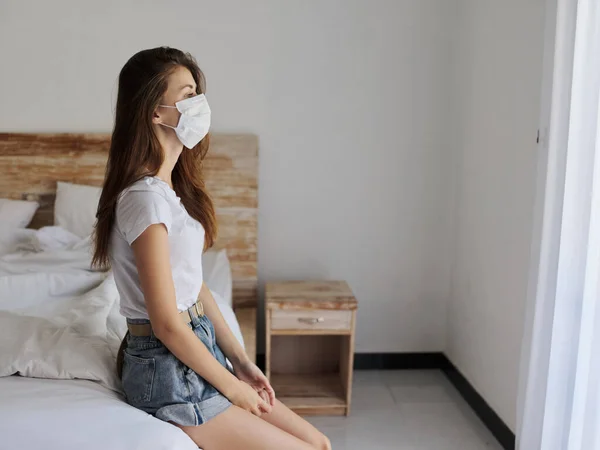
31,164
310,295
310,394
308,386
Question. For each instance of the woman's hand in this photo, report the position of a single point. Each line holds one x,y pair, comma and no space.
246,397
249,372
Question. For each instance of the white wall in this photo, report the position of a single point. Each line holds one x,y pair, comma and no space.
350,99
363,109
498,73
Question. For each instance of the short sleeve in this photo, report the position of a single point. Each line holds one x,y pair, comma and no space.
137,210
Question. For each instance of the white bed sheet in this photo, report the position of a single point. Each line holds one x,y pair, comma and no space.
68,414
71,414
78,414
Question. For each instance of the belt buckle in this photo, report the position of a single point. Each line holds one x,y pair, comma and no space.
198,313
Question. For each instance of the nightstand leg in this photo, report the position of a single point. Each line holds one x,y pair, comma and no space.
347,363
268,344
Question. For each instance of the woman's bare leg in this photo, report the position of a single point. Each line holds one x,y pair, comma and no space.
238,429
287,420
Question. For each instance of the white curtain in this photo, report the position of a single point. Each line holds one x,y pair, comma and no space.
559,398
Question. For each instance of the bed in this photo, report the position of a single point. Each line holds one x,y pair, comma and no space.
69,413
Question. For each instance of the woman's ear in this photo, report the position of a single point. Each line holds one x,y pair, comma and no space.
156,119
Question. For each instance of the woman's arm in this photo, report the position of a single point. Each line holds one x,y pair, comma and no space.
244,369
151,250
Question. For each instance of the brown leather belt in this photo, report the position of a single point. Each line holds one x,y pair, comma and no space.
187,315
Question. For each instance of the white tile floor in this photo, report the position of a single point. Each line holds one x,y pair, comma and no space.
406,410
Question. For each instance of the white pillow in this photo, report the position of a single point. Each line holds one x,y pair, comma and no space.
66,339
74,337
75,207
216,272
16,213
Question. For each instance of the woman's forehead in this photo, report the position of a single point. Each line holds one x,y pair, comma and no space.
179,79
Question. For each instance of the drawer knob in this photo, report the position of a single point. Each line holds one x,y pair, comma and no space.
311,320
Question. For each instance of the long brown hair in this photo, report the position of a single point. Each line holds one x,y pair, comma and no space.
135,151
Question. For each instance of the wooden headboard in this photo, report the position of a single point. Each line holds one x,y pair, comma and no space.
31,164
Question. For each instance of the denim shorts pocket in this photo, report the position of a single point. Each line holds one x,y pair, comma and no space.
138,378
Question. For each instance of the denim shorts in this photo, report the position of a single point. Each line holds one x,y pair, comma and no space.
156,382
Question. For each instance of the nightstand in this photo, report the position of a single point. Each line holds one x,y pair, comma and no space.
310,345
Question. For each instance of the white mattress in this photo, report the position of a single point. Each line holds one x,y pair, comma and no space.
78,414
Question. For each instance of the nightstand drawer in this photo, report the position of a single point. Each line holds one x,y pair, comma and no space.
314,319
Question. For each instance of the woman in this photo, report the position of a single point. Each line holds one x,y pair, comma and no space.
155,219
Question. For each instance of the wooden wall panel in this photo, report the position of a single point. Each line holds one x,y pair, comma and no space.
31,164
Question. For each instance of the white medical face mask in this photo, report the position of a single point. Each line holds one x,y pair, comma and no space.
194,121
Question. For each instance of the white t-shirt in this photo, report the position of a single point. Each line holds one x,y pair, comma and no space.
146,202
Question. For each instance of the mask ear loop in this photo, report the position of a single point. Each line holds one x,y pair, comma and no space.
164,124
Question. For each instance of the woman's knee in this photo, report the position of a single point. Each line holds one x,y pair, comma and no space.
322,442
